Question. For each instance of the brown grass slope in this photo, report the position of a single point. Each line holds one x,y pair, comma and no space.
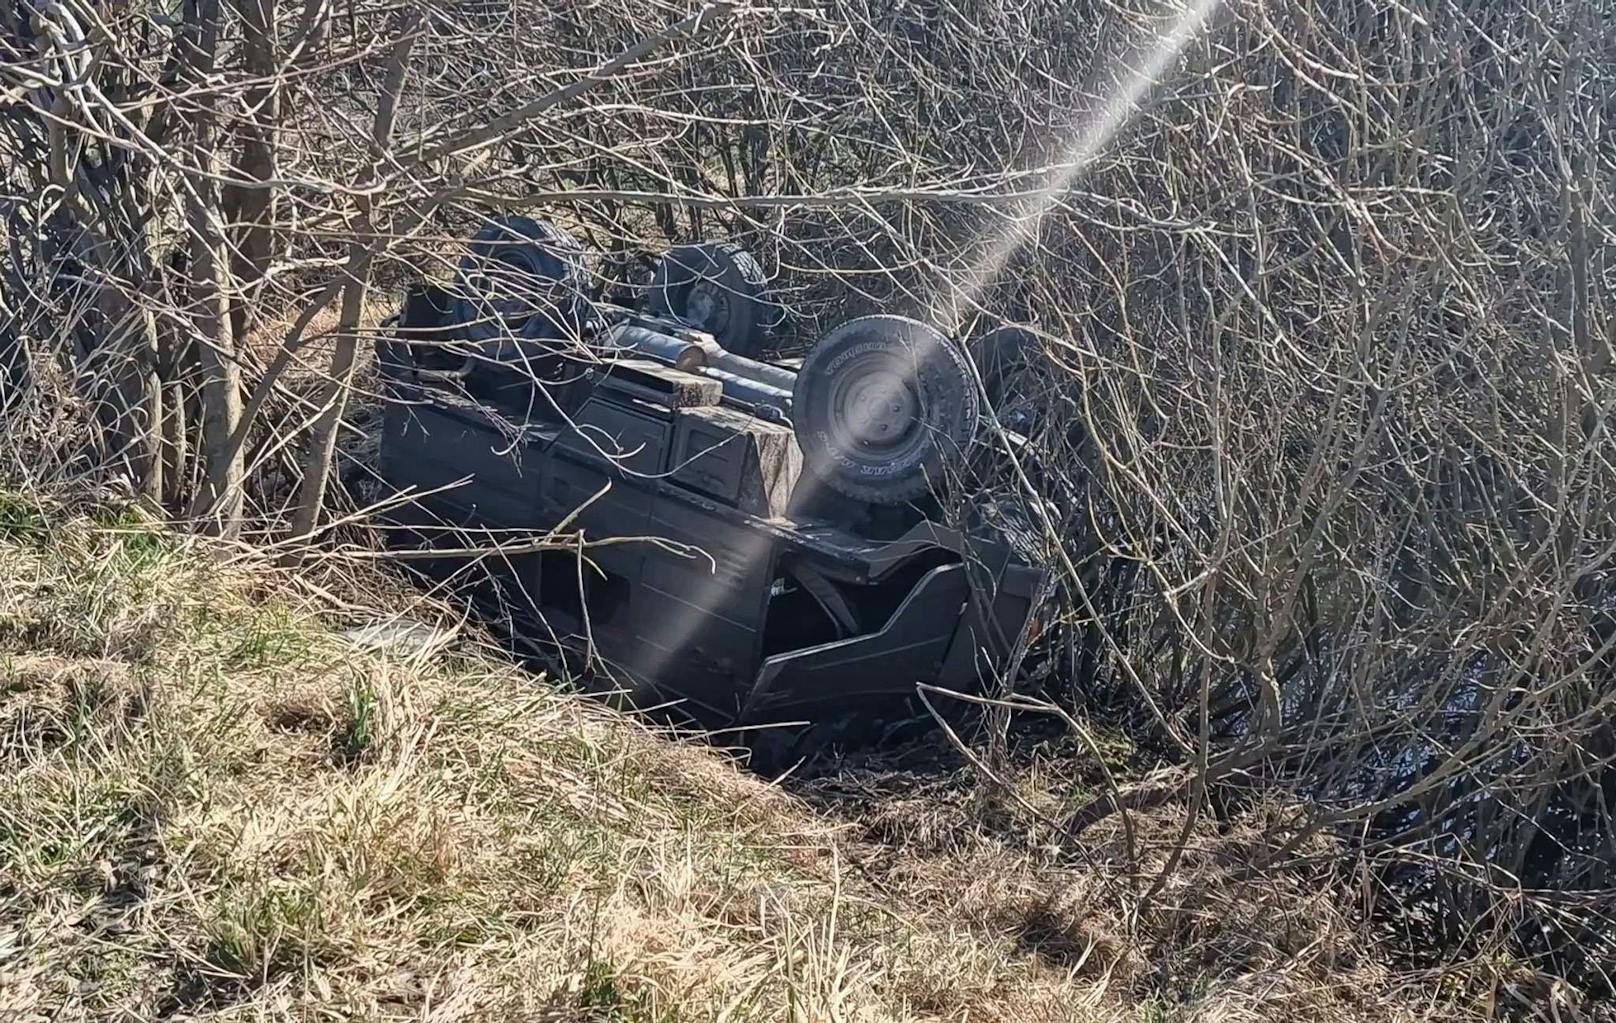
213,806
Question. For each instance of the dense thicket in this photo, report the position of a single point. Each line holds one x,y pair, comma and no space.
1325,289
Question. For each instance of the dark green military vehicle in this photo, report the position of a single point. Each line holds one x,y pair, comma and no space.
758,540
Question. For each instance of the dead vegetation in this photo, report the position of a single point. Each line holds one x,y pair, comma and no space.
1324,293
215,806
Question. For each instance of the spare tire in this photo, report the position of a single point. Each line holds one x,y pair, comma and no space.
883,405
522,278
719,288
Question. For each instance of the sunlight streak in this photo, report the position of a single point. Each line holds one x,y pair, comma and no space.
1153,58
1087,142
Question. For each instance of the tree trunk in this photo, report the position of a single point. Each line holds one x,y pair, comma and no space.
223,474
361,253
252,208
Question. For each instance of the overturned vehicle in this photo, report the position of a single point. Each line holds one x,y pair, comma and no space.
622,484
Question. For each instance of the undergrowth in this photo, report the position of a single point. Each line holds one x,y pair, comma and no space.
214,805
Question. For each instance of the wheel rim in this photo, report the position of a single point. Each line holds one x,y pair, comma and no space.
874,407
707,307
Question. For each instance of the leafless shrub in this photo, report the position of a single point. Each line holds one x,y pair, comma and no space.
1324,290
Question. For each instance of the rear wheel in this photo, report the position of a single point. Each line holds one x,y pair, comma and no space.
719,288
883,406
521,278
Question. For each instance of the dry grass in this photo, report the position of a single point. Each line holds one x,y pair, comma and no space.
212,805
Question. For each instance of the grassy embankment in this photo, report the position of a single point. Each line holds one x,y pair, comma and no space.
212,804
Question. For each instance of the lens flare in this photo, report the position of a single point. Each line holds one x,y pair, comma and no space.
1151,59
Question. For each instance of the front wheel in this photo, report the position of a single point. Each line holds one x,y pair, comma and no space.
1015,375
